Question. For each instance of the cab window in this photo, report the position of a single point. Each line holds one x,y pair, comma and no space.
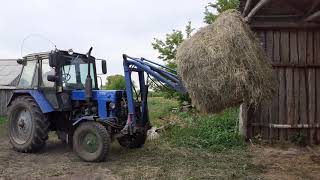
74,74
27,74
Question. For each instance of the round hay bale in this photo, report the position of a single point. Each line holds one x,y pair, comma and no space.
223,64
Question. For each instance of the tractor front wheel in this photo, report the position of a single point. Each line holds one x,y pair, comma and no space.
28,126
91,141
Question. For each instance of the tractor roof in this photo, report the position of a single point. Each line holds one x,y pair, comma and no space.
41,55
45,55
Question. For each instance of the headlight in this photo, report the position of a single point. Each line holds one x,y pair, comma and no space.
112,105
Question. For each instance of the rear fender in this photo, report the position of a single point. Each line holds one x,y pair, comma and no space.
42,102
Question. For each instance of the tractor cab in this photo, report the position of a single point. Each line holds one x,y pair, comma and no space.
65,81
65,69
57,74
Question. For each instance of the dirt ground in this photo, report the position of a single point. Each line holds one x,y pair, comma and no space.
57,161
287,162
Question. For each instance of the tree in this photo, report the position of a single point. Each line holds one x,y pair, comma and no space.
167,50
212,10
115,82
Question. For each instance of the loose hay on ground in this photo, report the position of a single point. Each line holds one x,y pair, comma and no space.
223,65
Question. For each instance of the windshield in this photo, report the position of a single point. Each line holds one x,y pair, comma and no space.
75,72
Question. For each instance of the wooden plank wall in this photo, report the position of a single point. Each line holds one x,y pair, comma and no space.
4,98
295,108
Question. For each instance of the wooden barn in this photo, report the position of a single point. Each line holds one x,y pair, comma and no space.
9,76
290,33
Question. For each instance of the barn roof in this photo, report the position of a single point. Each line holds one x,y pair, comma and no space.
9,71
282,13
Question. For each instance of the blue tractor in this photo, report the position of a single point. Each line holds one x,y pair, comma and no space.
58,91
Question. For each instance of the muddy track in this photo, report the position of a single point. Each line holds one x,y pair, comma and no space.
56,161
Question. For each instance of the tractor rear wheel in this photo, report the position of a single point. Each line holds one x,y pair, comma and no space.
91,141
28,126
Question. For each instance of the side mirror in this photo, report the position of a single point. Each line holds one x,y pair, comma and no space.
104,66
53,60
51,78
21,61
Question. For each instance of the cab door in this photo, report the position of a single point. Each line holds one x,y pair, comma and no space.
59,101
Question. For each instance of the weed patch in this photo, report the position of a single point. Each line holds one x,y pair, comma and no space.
158,108
212,132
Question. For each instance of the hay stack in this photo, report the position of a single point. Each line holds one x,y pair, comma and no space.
223,65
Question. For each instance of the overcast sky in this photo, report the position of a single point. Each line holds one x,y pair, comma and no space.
111,27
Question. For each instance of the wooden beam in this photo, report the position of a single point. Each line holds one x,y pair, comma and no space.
246,8
287,126
313,7
313,16
260,4
295,65
272,24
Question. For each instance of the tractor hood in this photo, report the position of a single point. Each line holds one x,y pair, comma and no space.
98,95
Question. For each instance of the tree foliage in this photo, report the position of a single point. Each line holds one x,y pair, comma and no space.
212,10
115,82
167,48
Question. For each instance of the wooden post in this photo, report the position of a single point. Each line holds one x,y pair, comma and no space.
243,120
311,85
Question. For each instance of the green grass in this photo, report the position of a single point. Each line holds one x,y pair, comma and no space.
2,120
209,132
160,107
2,126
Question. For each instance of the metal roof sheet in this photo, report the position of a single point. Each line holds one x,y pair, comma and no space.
9,71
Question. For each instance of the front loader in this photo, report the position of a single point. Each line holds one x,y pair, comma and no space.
58,91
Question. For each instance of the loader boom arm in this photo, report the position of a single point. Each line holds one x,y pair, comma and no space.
158,71
142,66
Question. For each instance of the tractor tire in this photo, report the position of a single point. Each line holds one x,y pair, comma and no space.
134,141
91,141
28,126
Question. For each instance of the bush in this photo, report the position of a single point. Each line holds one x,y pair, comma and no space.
115,82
